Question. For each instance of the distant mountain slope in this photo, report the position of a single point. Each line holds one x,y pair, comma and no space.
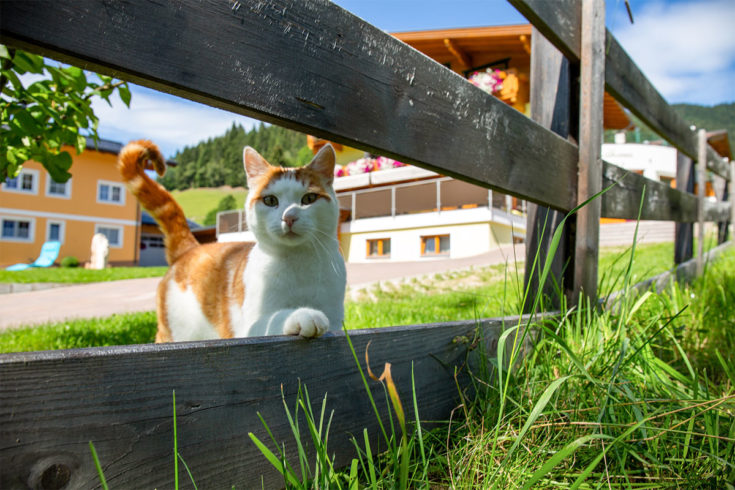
721,116
218,161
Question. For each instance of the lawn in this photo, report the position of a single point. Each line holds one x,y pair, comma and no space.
196,203
79,275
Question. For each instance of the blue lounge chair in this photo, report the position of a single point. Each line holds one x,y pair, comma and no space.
47,257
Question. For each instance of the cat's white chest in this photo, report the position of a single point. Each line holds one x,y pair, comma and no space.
302,280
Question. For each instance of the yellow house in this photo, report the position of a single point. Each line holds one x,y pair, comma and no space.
35,209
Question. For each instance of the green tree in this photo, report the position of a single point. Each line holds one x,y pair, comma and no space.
53,111
227,203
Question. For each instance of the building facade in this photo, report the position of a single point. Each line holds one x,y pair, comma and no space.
34,209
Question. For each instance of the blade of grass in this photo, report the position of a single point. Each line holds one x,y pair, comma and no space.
559,456
176,447
273,459
97,465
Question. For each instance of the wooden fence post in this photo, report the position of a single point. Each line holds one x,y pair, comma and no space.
732,198
701,184
551,102
592,82
723,227
684,232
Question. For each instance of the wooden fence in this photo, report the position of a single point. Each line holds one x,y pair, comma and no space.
313,67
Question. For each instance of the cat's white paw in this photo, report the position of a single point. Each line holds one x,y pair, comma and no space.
306,322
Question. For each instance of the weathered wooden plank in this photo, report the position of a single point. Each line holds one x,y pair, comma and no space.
701,187
551,103
684,232
627,83
623,79
661,202
53,403
722,191
589,183
717,164
558,21
310,66
716,211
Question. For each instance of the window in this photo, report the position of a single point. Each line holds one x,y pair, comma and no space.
55,231
435,245
17,229
379,247
110,192
113,234
25,183
58,189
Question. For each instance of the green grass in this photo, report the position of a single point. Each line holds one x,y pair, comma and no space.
125,329
196,203
641,396
461,295
79,275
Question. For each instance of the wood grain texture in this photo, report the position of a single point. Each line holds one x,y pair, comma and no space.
661,202
701,188
589,180
53,403
684,232
310,66
717,164
551,106
558,21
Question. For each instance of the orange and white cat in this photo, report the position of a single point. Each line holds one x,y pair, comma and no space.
291,281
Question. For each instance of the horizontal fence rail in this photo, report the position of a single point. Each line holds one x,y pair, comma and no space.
309,66
54,403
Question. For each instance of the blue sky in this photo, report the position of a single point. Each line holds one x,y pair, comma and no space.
685,47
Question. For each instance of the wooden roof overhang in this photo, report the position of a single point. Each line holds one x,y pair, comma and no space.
466,49
720,142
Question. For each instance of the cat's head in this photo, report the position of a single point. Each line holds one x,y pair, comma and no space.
290,207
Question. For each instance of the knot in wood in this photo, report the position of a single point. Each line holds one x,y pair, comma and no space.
55,477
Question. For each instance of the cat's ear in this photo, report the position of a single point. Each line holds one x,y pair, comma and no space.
323,163
255,165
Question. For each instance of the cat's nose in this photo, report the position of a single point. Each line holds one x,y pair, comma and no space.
289,220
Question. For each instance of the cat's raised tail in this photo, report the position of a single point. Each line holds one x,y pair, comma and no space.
131,162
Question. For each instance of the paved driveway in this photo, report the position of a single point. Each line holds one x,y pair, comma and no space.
132,295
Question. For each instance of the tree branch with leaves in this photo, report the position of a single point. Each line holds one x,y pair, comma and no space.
54,111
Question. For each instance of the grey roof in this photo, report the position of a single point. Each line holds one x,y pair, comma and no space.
106,146
147,219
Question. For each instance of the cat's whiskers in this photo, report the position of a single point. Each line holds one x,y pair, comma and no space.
315,239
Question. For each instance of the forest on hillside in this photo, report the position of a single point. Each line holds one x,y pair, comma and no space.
218,161
711,118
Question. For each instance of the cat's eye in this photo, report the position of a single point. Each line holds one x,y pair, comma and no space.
270,201
309,198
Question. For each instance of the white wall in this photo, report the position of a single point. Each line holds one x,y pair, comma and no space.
471,232
656,161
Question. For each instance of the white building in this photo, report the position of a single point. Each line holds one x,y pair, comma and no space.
655,162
